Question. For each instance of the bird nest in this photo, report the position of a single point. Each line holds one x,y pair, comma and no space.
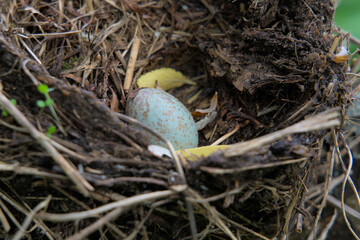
280,85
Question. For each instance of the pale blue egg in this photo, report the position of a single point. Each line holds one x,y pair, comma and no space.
166,114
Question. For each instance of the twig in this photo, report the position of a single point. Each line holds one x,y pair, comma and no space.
127,139
68,151
16,128
73,174
220,196
23,65
214,170
4,221
324,233
30,52
96,225
296,114
312,12
58,34
139,226
61,11
347,178
9,214
226,136
318,189
48,232
300,218
215,215
30,217
113,181
337,203
131,65
29,171
127,202
289,211
238,225
325,120
328,179
191,216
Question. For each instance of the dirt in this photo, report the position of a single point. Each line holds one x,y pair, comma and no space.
270,61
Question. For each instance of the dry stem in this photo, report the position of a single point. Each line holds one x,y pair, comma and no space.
321,121
127,202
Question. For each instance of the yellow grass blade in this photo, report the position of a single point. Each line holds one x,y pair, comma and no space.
193,154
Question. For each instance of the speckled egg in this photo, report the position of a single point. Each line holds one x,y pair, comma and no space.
166,114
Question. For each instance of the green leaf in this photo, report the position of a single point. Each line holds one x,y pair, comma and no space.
43,88
13,101
40,103
4,113
51,130
49,102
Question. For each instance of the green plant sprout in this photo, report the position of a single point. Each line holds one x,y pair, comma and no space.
51,130
44,89
4,112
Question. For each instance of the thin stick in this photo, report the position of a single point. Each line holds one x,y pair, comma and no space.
4,221
47,231
131,65
30,217
127,202
328,226
59,34
30,52
73,174
11,215
214,170
215,215
192,221
4,167
346,179
96,225
329,174
238,225
61,11
127,139
68,151
226,136
139,226
220,196
35,81
337,203
325,120
217,218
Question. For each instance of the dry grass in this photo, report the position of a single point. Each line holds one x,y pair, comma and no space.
94,178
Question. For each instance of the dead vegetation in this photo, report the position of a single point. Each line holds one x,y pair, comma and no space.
272,65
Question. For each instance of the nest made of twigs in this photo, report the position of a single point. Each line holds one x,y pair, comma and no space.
271,64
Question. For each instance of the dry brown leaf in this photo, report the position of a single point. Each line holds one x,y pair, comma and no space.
213,105
114,105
